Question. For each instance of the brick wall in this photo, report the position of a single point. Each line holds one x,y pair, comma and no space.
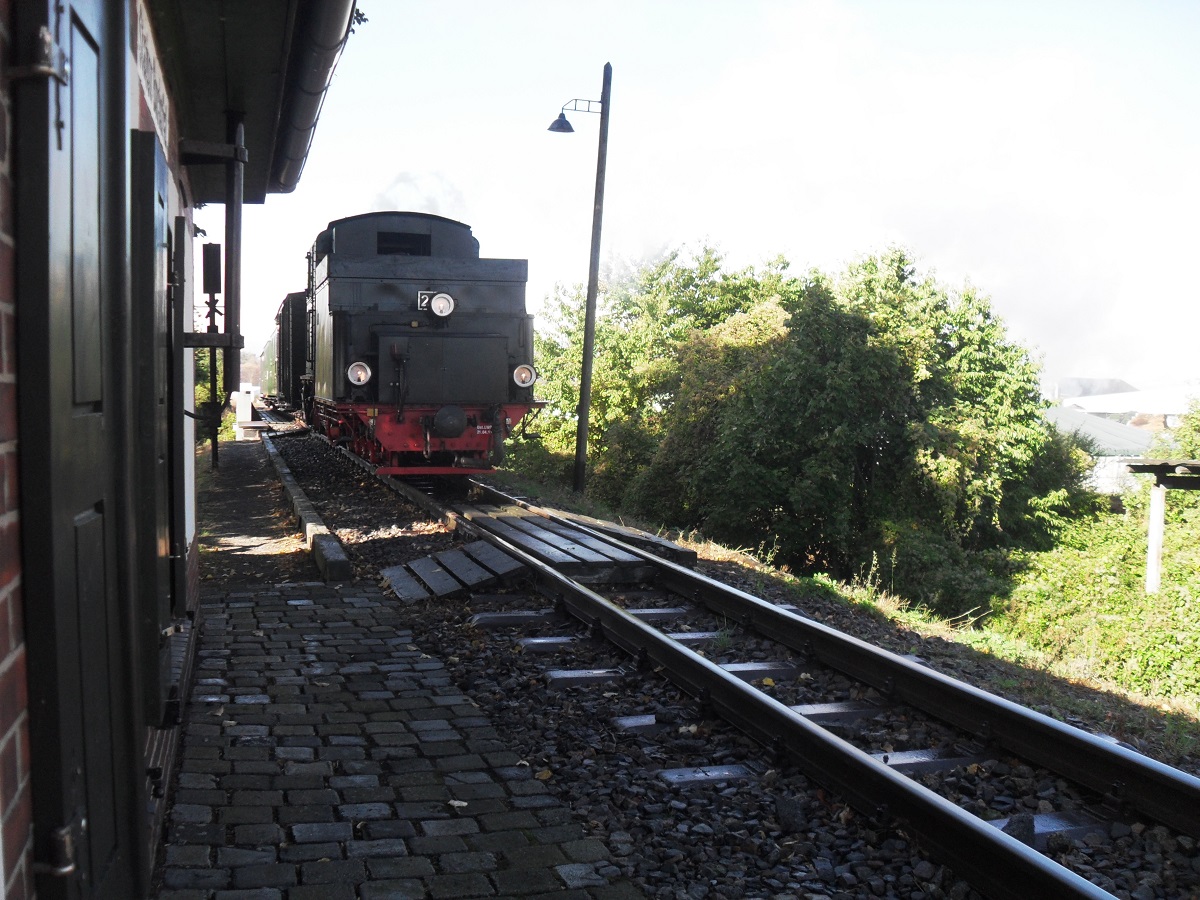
15,808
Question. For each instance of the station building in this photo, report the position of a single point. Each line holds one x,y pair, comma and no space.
117,119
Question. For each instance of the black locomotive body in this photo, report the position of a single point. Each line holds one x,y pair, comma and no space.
420,353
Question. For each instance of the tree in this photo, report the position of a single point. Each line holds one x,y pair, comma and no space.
785,420
834,420
558,352
640,323
1183,441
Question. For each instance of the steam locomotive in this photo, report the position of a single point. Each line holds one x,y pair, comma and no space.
417,355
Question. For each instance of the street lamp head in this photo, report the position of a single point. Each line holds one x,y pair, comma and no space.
561,125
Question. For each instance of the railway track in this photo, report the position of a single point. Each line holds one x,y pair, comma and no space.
906,784
897,740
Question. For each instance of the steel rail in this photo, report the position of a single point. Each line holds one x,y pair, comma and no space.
995,863
1162,792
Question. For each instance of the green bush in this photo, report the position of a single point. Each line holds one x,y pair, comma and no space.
207,407
531,459
806,414
927,568
1085,602
629,446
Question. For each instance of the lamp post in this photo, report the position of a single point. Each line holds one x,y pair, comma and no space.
562,126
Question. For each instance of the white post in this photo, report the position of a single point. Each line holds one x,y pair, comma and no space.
246,428
1154,546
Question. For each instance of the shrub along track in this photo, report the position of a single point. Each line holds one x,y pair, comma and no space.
781,837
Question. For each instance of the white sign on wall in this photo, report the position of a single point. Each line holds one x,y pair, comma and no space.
150,76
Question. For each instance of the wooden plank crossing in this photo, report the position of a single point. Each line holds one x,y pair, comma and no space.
402,583
547,553
531,545
610,564
644,540
479,564
557,544
441,582
491,510
492,557
651,542
566,545
464,568
476,565
614,553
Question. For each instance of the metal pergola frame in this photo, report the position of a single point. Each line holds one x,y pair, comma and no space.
1169,474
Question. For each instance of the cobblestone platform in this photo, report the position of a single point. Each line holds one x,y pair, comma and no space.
326,758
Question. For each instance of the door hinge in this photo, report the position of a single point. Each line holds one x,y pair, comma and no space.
62,848
49,61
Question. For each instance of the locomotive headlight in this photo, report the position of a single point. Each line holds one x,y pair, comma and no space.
524,376
359,373
441,305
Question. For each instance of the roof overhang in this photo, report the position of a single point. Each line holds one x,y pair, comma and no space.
267,61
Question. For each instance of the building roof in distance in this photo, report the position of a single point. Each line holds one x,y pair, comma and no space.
1111,438
1168,401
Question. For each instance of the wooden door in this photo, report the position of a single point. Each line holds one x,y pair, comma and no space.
73,372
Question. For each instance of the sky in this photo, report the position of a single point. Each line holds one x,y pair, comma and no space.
1047,153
